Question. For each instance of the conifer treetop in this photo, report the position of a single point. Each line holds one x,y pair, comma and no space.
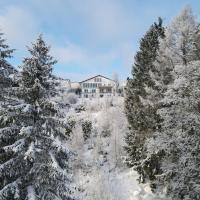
37,68
5,51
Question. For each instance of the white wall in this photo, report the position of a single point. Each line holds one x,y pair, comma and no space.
103,82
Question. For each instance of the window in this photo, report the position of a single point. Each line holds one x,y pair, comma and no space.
93,91
97,79
109,90
94,85
86,90
90,85
101,90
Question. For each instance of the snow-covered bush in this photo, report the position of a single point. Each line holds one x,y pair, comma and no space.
97,104
69,126
71,98
106,132
87,129
104,125
93,105
79,108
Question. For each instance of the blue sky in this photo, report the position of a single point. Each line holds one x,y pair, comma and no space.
87,37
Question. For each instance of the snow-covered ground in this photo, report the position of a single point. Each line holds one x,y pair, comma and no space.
99,169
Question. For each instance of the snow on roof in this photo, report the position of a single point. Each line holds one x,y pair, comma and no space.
75,85
97,76
123,83
65,83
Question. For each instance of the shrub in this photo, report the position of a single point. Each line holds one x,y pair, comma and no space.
80,108
70,126
72,98
87,129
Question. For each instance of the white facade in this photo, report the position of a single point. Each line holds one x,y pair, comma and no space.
98,86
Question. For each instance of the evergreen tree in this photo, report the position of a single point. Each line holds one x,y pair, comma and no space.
140,111
8,127
175,48
179,137
37,166
174,147
196,43
6,70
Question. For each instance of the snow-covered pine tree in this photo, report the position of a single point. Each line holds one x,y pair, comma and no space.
140,112
179,137
6,70
175,144
38,165
9,140
196,43
175,48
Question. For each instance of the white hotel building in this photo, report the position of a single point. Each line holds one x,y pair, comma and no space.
98,86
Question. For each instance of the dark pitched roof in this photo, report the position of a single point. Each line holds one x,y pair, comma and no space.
95,77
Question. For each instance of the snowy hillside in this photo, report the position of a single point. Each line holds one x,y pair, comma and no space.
99,169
